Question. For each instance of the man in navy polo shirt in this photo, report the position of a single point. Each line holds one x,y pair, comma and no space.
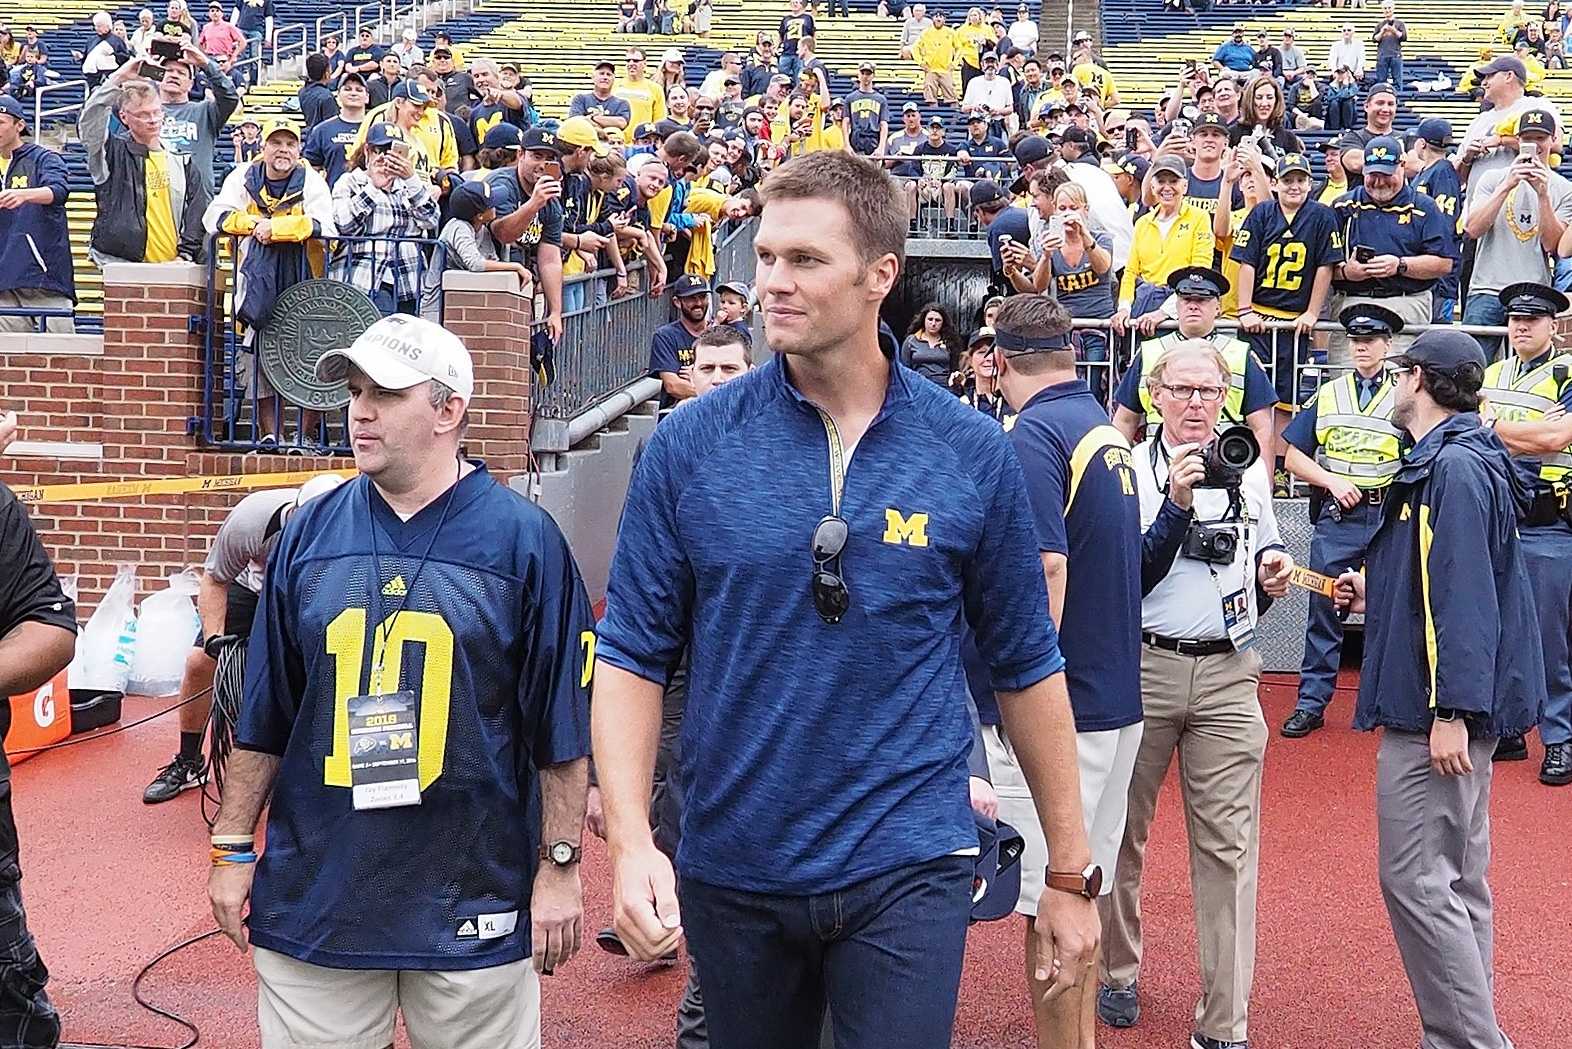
823,524
1082,488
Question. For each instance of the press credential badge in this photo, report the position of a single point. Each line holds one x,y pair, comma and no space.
384,751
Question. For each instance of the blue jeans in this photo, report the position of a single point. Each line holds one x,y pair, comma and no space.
387,302
1390,70
27,1018
1340,113
790,66
884,955
1484,308
253,73
1338,544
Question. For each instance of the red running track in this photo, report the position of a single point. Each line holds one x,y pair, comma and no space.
110,882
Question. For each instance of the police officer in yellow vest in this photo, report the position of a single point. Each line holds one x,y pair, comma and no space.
1343,442
1251,396
1533,380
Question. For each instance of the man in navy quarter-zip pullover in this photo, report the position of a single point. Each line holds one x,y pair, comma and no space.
827,842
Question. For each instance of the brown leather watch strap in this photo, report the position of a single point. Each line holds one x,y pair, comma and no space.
1068,881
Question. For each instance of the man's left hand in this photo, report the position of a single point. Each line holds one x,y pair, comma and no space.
12,199
1067,932
556,916
1449,747
1276,567
1304,324
985,800
554,327
193,54
262,232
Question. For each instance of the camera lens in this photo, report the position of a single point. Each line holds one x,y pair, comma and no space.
1237,448
1225,543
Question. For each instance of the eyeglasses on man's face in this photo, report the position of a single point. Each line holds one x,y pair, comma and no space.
1185,392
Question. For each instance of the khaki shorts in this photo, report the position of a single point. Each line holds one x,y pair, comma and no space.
303,1006
1106,761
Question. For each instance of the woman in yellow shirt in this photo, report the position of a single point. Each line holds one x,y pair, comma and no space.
1247,171
971,40
1170,236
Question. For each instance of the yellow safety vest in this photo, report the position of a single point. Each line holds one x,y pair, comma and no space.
1525,396
1359,445
1234,351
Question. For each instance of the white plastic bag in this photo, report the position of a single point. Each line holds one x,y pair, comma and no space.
108,643
164,631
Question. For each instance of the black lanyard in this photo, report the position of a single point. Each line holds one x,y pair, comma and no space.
379,648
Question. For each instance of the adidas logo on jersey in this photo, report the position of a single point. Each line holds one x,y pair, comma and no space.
395,587
466,929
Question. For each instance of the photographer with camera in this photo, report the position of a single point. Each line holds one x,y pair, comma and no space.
1210,562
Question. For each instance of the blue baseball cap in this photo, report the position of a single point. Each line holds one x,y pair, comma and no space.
12,108
384,135
1445,349
1435,131
469,200
689,284
1382,155
996,878
503,136
411,90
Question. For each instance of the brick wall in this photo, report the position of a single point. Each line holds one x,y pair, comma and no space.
121,407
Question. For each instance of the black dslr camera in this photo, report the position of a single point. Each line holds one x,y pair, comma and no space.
1211,544
1230,454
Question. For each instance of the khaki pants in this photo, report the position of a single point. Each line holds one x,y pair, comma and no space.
939,87
1206,709
36,298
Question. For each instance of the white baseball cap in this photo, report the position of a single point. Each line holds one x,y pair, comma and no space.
399,351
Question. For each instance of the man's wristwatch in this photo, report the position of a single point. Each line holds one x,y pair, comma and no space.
1087,882
561,853
1402,267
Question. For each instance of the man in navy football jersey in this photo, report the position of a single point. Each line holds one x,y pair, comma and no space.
1088,523
417,703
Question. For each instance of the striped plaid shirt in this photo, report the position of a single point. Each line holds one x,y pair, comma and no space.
406,209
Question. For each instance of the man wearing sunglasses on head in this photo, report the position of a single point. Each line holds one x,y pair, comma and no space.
797,523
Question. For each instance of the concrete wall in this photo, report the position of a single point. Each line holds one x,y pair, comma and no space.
585,491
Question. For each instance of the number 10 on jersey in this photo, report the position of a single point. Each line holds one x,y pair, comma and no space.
346,643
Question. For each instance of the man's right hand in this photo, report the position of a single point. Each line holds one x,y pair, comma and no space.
546,190
1349,592
644,902
1120,321
380,172
228,889
1186,469
1346,493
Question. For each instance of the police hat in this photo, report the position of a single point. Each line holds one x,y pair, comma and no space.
688,285
1528,299
1382,155
1209,121
1289,163
540,138
1365,319
1444,349
1198,282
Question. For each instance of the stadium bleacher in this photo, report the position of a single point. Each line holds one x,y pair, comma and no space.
1144,47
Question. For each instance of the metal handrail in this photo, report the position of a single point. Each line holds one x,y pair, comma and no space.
39,112
343,23
285,49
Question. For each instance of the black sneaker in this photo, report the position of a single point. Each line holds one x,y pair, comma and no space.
1557,769
1301,723
1513,748
1201,1041
1118,1006
179,775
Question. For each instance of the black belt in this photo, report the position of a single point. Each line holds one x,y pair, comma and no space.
1187,646
1549,507
1373,496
